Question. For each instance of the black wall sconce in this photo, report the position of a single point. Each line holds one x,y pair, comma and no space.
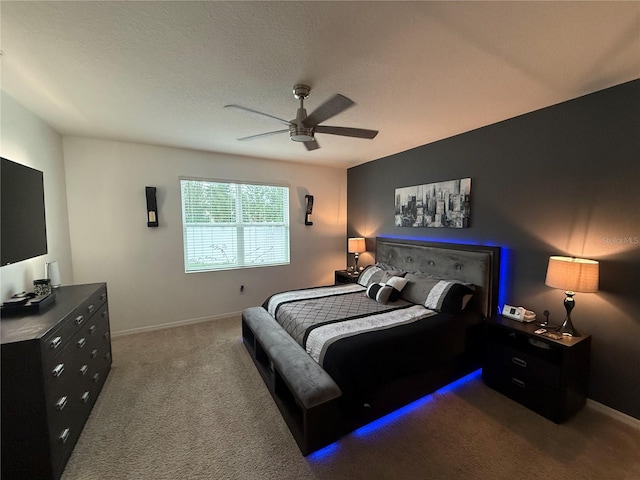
307,217
152,207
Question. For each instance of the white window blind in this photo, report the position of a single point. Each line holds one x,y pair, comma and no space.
234,225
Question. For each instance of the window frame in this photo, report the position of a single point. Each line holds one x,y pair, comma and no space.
240,227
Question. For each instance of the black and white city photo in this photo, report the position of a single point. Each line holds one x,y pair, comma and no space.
441,204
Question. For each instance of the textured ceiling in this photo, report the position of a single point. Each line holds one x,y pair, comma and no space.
161,72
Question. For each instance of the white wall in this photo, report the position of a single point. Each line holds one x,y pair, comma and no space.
28,140
143,266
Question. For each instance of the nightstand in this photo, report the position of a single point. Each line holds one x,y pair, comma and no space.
344,276
546,375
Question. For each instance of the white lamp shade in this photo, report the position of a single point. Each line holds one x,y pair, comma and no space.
573,274
356,245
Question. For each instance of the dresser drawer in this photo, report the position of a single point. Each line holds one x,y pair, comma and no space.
53,343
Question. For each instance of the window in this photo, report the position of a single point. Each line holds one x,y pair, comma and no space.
232,225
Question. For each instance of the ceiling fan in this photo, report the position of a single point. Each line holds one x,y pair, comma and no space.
304,127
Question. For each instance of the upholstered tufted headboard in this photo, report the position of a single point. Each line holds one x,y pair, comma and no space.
476,264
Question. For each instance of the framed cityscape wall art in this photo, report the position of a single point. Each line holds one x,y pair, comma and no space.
441,204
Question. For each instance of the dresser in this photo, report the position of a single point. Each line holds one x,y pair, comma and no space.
54,364
548,375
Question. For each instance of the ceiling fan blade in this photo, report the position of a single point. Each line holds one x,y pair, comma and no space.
328,109
251,137
311,145
346,131
240,107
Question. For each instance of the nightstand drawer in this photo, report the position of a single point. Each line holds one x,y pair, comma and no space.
521,365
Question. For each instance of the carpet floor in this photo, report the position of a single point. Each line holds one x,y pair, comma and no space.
188,403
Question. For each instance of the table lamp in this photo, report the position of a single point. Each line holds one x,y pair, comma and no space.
356,245
572,275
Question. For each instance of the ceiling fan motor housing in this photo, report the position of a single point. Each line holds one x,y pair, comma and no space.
300,133
297,131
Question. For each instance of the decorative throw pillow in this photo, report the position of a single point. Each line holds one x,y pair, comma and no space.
388,290
379,292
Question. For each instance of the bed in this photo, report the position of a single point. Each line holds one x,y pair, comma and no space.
335,358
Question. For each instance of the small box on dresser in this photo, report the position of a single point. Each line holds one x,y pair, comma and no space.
54,364
548,376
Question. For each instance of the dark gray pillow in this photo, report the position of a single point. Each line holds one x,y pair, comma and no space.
418,288
447,296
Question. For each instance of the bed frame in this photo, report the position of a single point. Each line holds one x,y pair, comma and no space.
312,403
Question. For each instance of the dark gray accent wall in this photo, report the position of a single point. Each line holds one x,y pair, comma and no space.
564,180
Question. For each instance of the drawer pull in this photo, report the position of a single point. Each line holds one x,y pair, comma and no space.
55,343
96,377
85,397
79,319
91,308
518,382
94,353
84,369
92,329
103,296
82,342
519,361
107,355
106,335
60,404
58,370
64,435
105,313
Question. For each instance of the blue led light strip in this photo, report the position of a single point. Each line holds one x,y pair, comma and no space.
388,419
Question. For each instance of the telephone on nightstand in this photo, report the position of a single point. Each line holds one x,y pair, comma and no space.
518,313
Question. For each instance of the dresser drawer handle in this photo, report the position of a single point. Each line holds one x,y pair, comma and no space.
91,308
94,353
106,335
85,397
64,435
518,382
105,313
58,370
82,342
96,377
103,296
84,369
60,404
107,355
55,343
79,319
519,361
92,329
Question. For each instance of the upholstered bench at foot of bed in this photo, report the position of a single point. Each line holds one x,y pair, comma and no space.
305,394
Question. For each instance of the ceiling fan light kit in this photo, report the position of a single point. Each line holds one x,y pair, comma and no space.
304,127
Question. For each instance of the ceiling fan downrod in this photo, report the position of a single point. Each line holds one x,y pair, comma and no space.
297,131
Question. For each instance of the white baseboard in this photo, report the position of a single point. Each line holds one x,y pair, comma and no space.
180,323
623,417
